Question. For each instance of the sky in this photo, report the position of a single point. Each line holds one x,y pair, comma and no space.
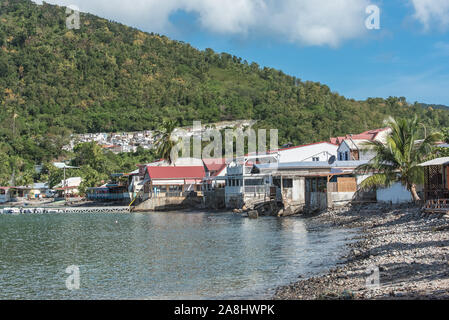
402,51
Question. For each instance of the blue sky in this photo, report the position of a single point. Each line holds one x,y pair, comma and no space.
318,40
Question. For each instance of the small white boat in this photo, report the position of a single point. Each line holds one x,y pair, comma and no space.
11,210
54,211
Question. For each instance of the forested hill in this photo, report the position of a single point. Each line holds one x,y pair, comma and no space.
110,77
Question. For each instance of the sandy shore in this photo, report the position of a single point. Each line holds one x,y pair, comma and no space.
409,248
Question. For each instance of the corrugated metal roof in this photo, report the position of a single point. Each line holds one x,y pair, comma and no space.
62,165
176,172
315,165
215,164
435,162
357,144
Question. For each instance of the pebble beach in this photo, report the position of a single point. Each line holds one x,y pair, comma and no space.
401,253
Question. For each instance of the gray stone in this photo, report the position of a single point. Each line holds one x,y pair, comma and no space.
253,214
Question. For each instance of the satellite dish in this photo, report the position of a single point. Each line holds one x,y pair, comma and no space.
255,170
332,160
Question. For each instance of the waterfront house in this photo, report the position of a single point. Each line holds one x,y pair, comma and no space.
316,185
123,187
31,192
109,192
436,179
38,190
216,171
436,185
69,187
170,187
354,148
245,186
214,183
5,194
171,181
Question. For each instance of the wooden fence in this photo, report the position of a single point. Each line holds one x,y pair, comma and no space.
347,184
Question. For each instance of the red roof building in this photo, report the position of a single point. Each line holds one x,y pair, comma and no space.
370,135
175,176
155,173
214,166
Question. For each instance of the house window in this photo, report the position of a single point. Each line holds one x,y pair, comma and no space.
287,183
316,159
346,155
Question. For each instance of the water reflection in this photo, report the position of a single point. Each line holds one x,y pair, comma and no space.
159,255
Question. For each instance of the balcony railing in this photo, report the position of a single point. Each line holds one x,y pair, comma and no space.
257,190
109,196
174,194
436,194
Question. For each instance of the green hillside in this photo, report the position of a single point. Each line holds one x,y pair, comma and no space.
110,77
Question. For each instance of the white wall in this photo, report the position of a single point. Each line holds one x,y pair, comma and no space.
306,153
4,198
395,194
341,198
298,192
343,148
365,154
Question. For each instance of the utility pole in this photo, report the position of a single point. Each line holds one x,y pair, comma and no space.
62,165
64,185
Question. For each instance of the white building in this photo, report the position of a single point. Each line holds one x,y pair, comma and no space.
355,148
394,194
244,186
5,195
315,152
69,186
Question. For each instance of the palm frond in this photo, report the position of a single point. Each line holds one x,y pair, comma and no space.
377,180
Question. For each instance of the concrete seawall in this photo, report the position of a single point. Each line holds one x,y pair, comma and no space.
168,203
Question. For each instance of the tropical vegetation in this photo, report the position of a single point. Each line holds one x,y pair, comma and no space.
398,159
108,77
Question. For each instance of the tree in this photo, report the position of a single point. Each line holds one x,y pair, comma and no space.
165,143
25,178
399,157
91,178
89,153
445,132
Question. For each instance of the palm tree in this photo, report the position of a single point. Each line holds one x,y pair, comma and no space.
165,143
399,157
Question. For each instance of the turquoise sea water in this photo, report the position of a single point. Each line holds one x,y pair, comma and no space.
160,255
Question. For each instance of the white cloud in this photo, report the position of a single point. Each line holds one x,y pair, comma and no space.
324,22
308,22
432,13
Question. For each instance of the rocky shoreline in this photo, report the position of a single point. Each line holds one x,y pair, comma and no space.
409,250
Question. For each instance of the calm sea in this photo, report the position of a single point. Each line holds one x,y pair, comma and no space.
160,255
